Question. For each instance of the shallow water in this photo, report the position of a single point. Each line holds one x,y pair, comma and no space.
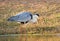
30,38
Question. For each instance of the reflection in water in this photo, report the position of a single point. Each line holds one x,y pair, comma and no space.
29,38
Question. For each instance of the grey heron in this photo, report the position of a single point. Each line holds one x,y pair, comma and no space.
24,17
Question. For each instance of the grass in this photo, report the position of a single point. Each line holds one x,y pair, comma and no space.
47,28
50,16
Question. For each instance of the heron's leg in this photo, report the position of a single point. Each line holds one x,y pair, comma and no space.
24,24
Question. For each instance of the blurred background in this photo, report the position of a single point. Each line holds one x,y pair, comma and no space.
47,28
48,23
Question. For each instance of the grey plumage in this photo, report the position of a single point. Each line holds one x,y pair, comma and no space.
21,17
24,17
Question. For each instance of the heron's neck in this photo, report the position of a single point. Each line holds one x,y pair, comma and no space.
35,17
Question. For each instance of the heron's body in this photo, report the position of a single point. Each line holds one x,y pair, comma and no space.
24,17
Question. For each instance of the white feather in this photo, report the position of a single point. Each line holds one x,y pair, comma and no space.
35,17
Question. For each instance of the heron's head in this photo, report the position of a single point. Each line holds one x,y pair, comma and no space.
37,15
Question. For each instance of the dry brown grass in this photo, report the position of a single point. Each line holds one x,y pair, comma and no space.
50,14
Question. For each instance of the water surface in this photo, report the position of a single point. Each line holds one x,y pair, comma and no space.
29,38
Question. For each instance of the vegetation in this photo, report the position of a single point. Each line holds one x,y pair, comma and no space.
47,28
49,20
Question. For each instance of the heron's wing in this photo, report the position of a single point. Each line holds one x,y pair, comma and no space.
25,16
13,18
